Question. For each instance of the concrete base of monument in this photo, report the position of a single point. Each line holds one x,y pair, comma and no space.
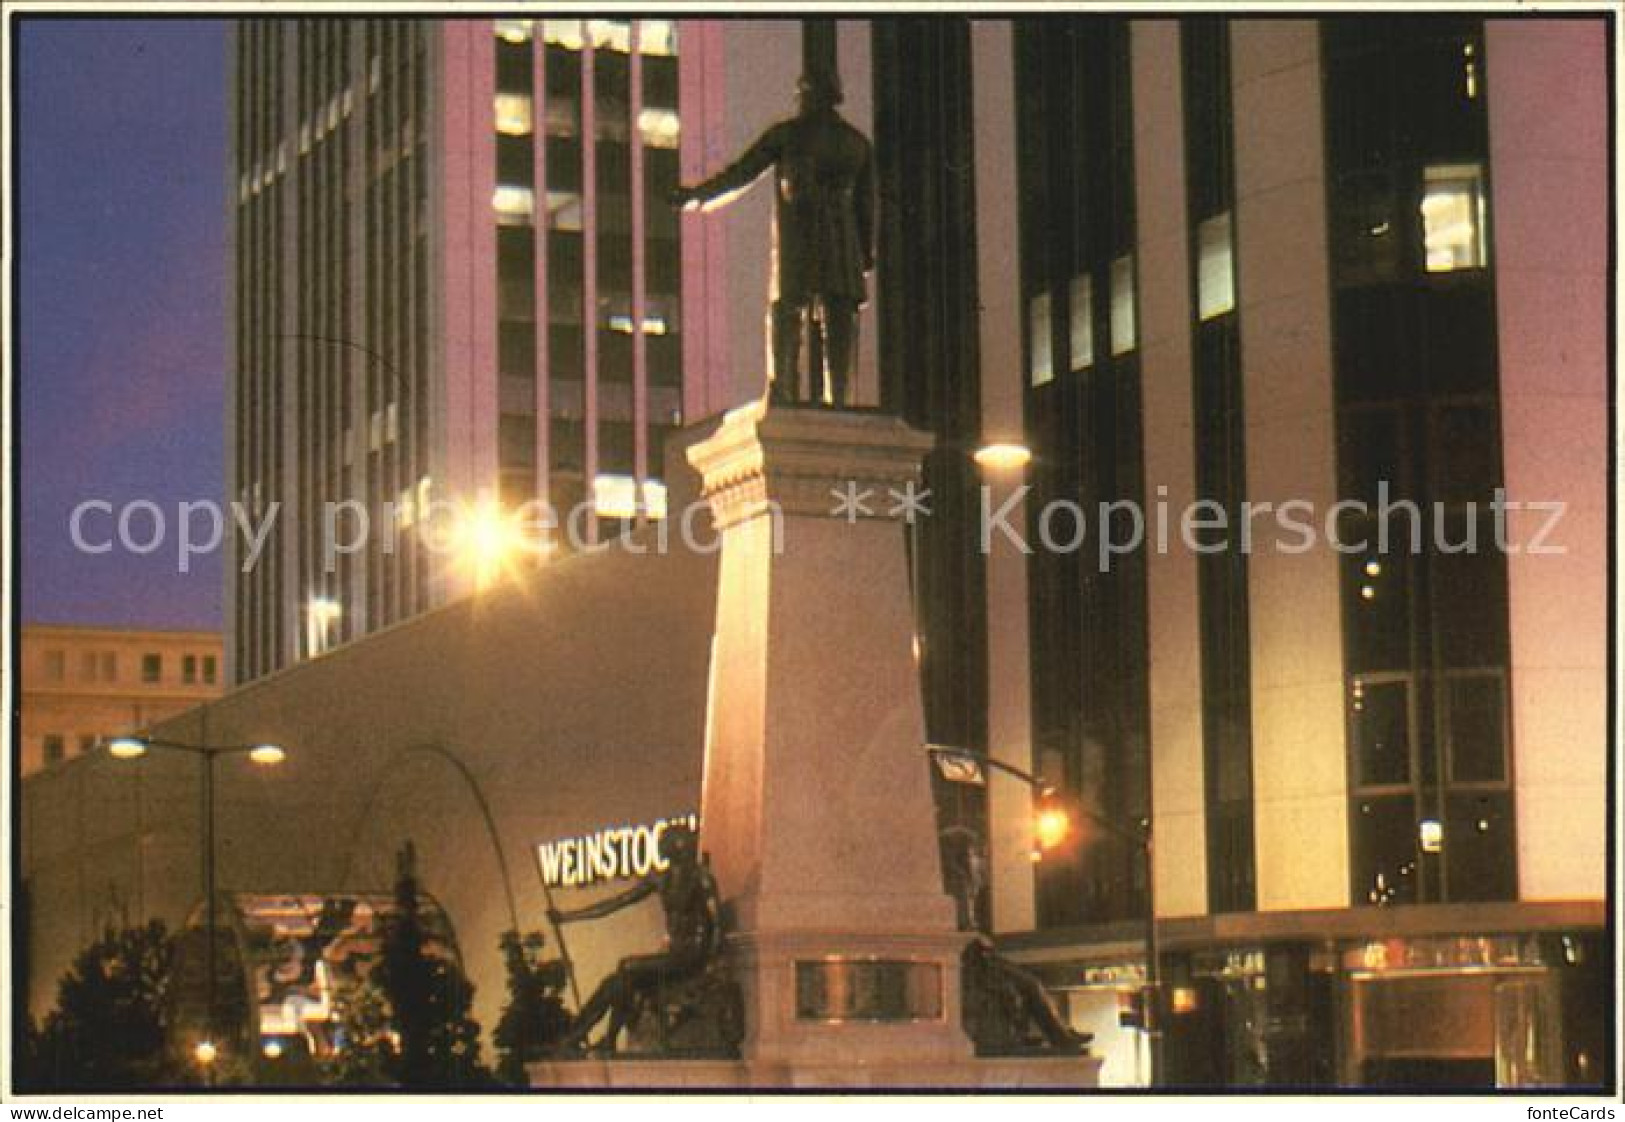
1054,1073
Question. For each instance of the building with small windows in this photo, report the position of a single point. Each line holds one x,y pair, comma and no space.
81,684
457,289
1290,574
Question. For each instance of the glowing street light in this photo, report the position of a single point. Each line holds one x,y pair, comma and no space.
132,747
1051,826
126,747
1003,456
488,541
267,755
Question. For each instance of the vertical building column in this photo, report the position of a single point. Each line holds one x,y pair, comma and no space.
589,278
818,51
1173,612
352,595
541,308
640,355
1009,648
854,55
286,595
1300,778
235,586
463,377
707,370
1547,84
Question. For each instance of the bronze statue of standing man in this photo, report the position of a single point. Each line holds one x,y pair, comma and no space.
823,234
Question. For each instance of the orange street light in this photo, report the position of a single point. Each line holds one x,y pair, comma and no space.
1051,826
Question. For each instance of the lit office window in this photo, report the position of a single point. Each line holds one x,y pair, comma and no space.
1454,222
1038,330
1124,338
513,114
564,33
1215,267
659,127
1082,335
321,614
615,496
514,30
657,37
654,499
610,34
514,206
564,211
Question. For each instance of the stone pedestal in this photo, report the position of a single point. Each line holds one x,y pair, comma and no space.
817,808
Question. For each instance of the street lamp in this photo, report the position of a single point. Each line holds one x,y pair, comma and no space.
265,755
1003,456
1152,1005
1051,826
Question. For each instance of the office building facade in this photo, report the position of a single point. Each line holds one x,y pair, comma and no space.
457,290
1275,262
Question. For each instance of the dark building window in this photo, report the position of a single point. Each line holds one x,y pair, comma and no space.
152,667
1083,414
1220,436
1418,419
54,749
189,669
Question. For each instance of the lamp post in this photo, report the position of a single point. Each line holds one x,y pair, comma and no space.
1152,1010
1140,837
264,755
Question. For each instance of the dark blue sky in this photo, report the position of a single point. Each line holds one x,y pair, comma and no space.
121,160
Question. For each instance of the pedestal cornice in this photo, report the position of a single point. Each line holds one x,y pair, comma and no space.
803,459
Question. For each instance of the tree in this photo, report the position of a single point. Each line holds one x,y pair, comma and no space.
534,1020
366,1053
429,997
109,1030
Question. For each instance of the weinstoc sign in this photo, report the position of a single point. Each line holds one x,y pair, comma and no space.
610,853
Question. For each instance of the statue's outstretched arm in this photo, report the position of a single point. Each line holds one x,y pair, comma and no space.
721,188
608,906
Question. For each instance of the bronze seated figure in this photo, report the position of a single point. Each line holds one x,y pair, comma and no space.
684,985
